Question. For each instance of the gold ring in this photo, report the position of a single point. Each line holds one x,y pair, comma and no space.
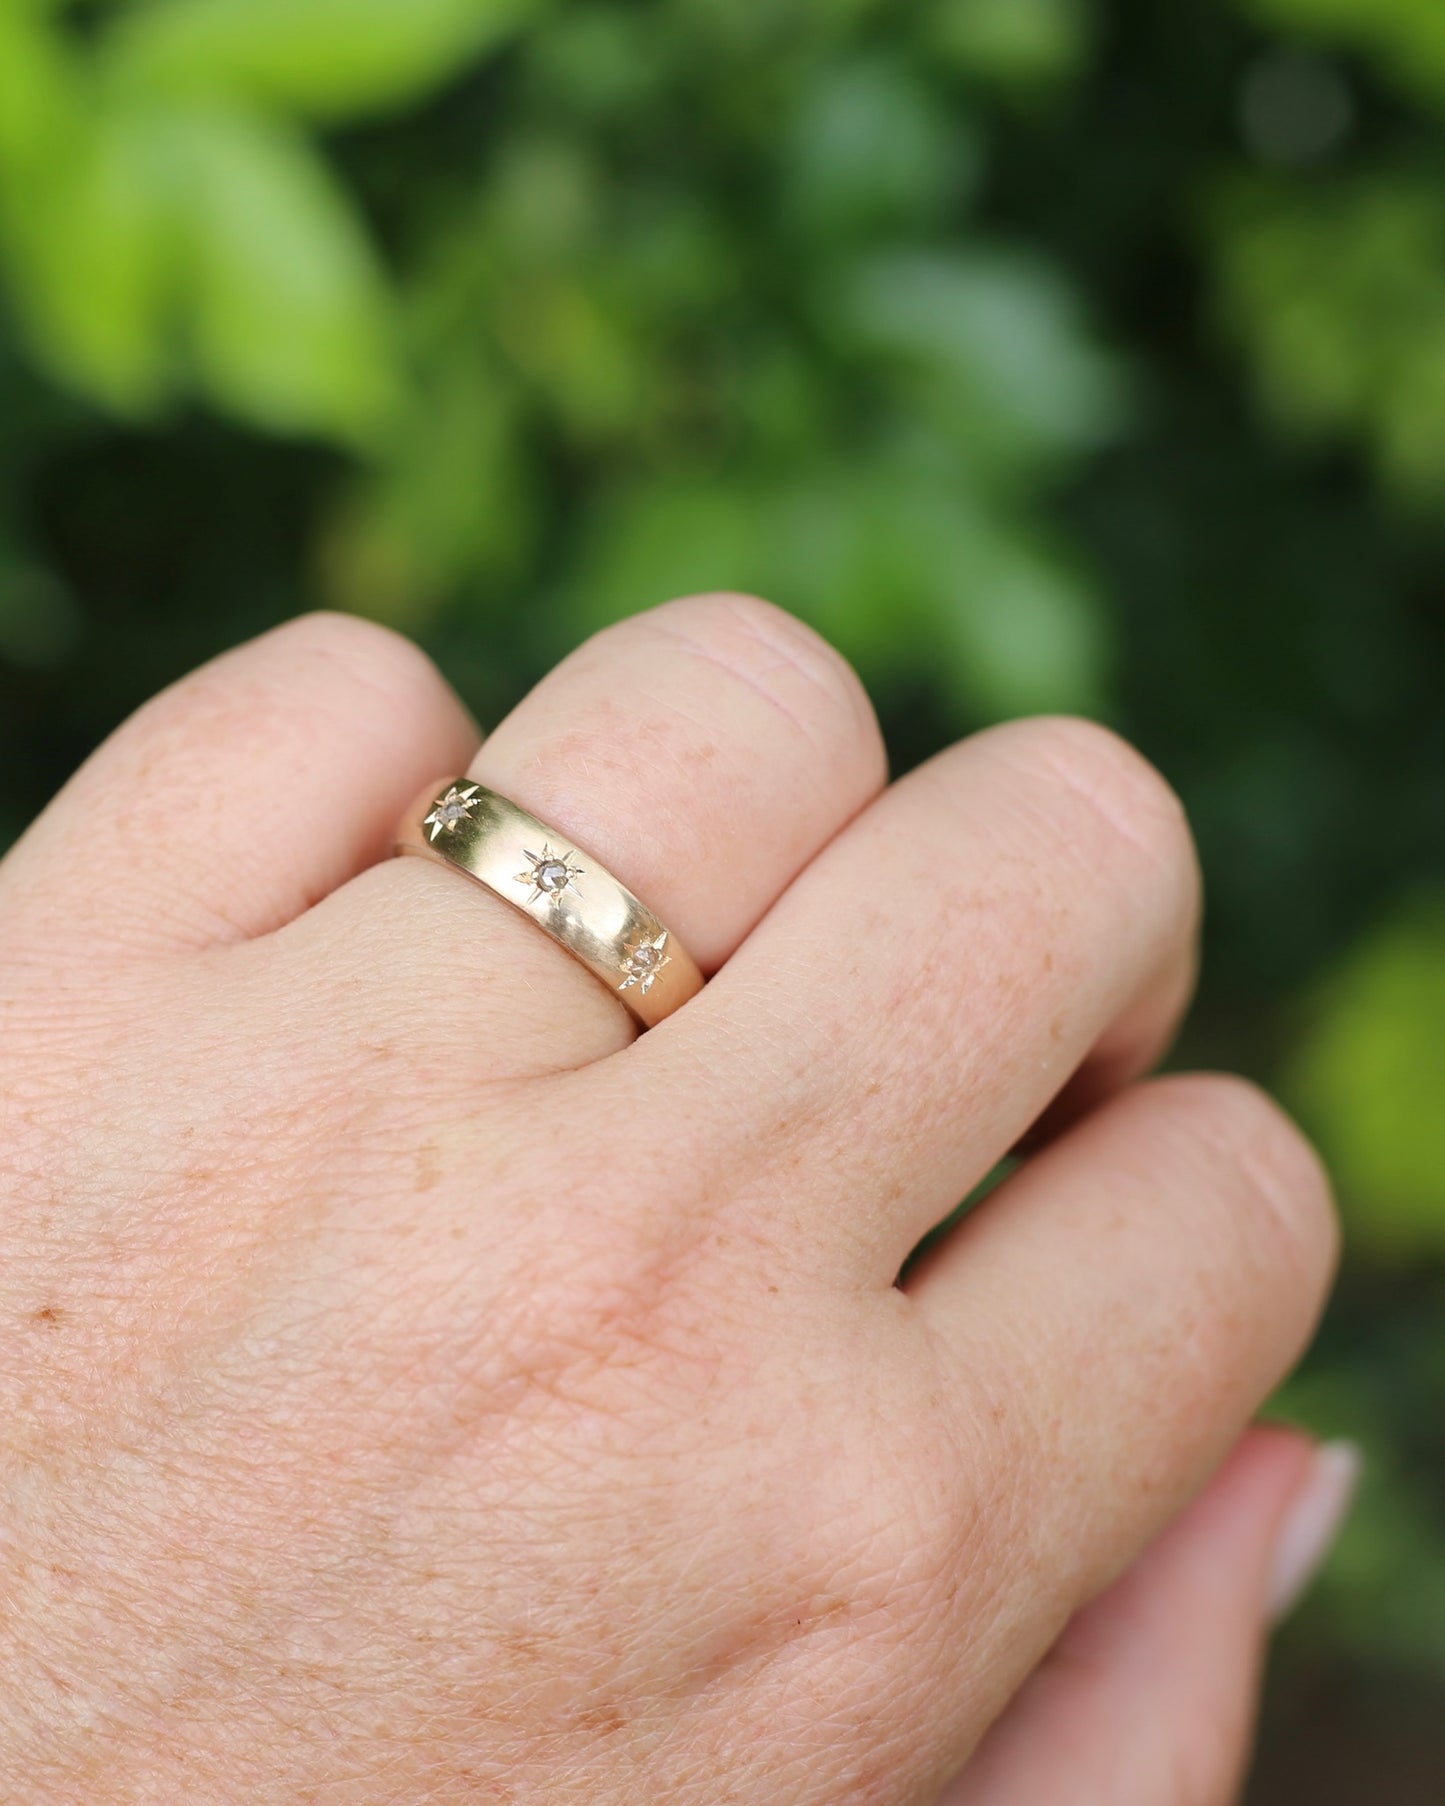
557,885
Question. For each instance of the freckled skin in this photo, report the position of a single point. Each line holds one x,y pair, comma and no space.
417,1389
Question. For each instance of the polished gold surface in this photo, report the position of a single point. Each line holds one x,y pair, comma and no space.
563,889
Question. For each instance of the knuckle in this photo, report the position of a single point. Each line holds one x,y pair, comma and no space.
779,657
327,669
1129,796
360,654
1239,1130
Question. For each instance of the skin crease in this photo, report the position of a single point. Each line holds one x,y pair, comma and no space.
417,1388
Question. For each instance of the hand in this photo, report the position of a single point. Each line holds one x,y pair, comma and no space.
417,1388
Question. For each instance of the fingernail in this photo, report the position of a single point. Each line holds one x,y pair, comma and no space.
1313,1525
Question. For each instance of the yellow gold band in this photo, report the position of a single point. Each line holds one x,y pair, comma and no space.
563,889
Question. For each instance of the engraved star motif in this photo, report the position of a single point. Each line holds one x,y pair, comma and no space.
642,962
551,874
451,810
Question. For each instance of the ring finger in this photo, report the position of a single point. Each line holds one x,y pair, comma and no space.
703,752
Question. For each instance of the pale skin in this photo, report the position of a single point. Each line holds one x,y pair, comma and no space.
419,1387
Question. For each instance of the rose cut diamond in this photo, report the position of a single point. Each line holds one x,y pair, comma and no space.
643,961
550,874
449,811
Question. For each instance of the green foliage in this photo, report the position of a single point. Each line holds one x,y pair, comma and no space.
1370,1079
579,299
164,222
1385,1584
885,556
290,316
1337,290
871,145
1406,37
1019,44
307,59
868,449
39,623
1338,295
989,349
90,264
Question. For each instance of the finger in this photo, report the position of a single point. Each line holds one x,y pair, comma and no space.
232,801
932,981
703,752
1149,1697
1108,1320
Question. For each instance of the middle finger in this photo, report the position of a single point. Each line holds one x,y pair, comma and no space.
1026,902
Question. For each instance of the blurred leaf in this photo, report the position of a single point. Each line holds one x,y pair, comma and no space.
77,217
991,344
453,497
882,557
207,243
1015,43
762,33
1339,296
1406,37
668,538
544,203
40,96
605,61
1369,1081
581,353
1010,630
291,318
322,59
1028,636
871,146
92,263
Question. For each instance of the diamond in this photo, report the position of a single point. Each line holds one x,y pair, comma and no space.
642,962
449,811
551,874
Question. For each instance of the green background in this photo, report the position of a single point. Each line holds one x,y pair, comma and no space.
1044,353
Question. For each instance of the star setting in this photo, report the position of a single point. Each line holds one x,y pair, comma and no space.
551,874
643,961
451,810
